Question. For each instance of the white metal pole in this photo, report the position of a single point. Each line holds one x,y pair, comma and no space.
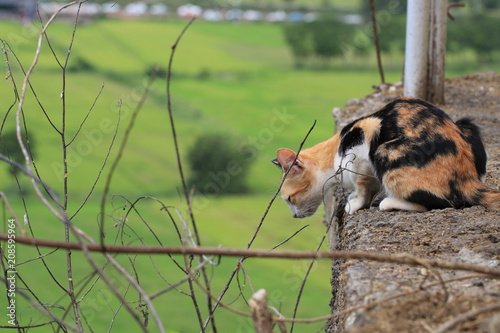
417,45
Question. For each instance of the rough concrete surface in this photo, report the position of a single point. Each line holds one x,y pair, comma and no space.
467,235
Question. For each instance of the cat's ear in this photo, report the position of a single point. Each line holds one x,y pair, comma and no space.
285,159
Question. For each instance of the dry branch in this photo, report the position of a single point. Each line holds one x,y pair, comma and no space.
257,230
185,188
404,259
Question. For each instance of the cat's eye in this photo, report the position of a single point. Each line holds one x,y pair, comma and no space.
289,199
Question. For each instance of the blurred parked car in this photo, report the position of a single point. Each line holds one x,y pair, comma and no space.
136,8
189,10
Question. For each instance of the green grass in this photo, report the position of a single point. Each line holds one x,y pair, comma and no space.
234,78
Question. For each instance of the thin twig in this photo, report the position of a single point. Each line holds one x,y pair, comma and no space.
351,309
173,128
117,160
64,146
13,214
6,46
22,97
104,163
452,5
84,120
123,225
306,276
38,304
279,187
132,207
188,276
183,179
254,236
376,41
290,237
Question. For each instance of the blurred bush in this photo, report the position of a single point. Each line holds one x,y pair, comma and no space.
217,165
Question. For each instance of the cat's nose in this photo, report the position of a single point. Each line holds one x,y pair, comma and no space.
295,215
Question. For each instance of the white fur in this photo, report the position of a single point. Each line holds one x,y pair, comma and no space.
391,203
295,211
308,209
354,164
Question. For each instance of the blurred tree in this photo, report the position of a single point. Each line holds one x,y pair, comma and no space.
475,33
326,39
217,166
491,4
392,36
299,39
323,38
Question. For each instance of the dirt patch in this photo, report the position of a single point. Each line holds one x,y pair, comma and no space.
419,299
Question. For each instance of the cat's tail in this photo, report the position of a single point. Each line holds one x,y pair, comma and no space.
490,198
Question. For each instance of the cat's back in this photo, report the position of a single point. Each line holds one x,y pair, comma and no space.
403,121
416,133
424,157
414,120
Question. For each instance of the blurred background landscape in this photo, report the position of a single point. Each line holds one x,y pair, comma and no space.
248,77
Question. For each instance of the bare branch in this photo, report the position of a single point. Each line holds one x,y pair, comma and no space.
6,204
184,184
290,237
172,124
82,123
254,236
22,97
376,41
306,276
117,160
7,48
104,163
404,259
188,276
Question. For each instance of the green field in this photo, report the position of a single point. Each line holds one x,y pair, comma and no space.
231,78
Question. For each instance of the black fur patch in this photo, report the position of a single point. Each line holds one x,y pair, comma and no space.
456,196
428,200
431,111
352,138
472,135
418,153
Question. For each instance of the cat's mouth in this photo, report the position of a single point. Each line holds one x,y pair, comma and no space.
310,211
306,210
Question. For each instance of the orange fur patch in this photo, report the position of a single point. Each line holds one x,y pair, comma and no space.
370,126
323,154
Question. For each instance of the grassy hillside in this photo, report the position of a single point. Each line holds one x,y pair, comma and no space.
233,78
226,78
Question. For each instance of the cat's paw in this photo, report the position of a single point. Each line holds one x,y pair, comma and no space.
354,204
389,204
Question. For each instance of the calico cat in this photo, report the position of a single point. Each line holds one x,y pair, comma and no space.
410,149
